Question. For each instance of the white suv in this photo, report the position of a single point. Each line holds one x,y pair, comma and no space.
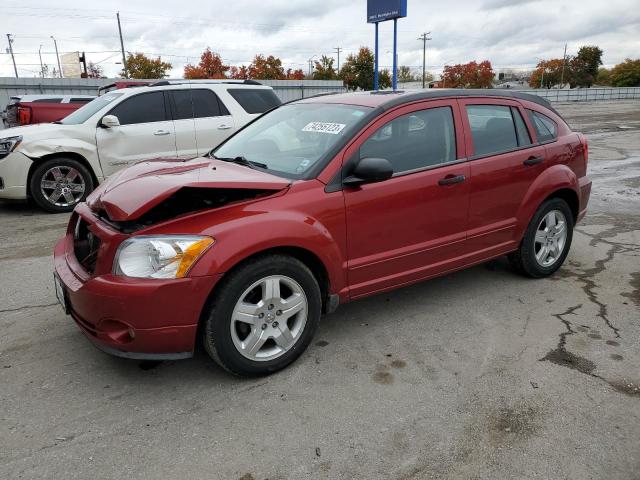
58,164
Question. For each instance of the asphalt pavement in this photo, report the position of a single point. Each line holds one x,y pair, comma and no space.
481,374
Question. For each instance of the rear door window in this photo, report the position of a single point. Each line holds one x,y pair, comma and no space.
492,129
417,140
546,128
143,108
182,105
521,128
207,104
255,100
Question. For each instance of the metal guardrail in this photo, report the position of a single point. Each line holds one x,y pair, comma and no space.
586,94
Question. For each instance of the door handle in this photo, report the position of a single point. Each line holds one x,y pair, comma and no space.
224,127
451,180
161,132
533,161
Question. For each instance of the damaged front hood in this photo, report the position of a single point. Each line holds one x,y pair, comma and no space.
132,192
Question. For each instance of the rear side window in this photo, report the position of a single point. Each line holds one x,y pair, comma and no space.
80,100
521,128
143,108
546,128
207,104
255,100
416,140
47,100
492,129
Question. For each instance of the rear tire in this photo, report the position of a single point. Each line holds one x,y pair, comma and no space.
546,242
263,316
59,184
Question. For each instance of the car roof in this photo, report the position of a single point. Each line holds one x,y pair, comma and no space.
27,97
387,99
181,84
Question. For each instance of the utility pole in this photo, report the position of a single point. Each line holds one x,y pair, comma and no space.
55,44
124,60
424,39
41,65
15,69
564,61
338,49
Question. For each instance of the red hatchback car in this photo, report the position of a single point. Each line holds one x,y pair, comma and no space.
316,203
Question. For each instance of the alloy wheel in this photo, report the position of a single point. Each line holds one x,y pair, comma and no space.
550,238
269,318
62,186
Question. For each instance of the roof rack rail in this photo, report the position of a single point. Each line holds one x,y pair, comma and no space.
162,83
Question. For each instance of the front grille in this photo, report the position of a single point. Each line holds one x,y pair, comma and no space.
85,245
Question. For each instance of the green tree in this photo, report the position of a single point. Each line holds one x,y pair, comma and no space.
626,74
324,69
604,76
584,66
357,71
141,66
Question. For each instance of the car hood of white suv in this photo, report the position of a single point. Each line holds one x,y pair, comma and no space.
44,138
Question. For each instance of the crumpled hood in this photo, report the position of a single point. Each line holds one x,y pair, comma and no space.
131,192
38,131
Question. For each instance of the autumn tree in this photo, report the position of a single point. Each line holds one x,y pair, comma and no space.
240,73
94,71
324,69
296,74
405,75
584,66
266,68
469,75
626,74
548,73
210,66
141,66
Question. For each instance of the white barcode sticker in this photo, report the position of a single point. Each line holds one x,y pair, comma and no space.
324,127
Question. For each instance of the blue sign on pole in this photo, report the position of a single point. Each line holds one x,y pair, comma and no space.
381,10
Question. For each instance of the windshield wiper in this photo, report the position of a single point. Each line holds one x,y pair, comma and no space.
240,160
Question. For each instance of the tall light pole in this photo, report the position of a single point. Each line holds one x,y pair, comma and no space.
424,39
55,44
124,60
338,50
564,61
310,63
41,65
10,50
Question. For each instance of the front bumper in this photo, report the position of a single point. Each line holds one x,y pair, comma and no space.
14,171
149,319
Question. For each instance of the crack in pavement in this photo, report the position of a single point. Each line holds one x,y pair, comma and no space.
26,307
561,356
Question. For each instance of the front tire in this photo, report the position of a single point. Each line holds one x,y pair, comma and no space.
59,184
547,240
263,316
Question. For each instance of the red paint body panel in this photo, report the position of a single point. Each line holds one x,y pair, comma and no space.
370,238
30,113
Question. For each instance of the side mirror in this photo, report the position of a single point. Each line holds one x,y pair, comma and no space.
109,121
369,170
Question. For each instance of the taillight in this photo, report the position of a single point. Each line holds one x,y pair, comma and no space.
24,115
585,147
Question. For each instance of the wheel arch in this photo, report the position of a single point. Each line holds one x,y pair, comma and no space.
71,155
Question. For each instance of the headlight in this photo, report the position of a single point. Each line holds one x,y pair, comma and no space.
159,257
8,145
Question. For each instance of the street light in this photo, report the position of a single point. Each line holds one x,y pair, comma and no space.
55,44
310,60
41,65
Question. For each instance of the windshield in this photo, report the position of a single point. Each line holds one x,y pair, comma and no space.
292,138
87,111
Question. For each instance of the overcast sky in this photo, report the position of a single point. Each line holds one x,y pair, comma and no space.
509,33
